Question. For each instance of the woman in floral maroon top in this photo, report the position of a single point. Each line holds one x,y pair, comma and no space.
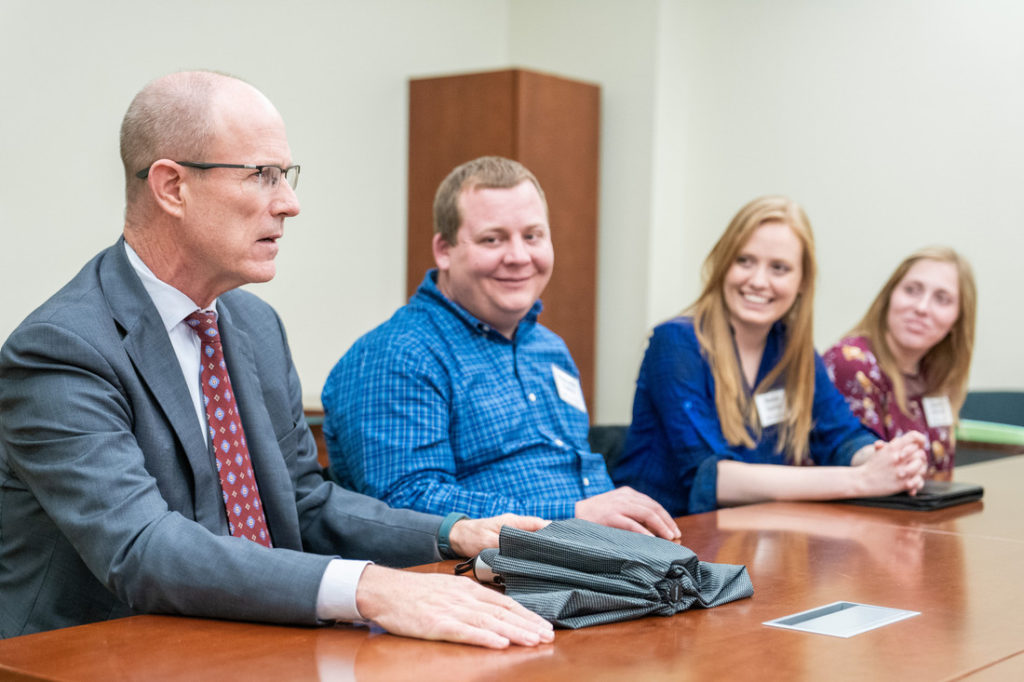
904,366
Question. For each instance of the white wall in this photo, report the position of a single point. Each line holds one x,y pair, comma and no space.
895,123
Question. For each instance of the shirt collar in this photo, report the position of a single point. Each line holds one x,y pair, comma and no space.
173,305
429,289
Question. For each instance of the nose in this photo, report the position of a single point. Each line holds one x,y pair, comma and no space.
285,203
759,277
516,252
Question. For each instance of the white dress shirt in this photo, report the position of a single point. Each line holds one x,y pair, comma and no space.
336,599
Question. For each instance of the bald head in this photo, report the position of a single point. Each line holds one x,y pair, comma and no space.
173,117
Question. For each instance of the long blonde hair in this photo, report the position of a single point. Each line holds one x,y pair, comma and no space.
946,365
736,411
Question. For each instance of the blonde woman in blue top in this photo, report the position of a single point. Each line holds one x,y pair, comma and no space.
733,389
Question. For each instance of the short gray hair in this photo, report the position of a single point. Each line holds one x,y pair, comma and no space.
170,118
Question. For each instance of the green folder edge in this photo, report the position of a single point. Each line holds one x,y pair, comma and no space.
990,432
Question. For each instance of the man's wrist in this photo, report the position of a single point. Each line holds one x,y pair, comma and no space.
336,598
444,543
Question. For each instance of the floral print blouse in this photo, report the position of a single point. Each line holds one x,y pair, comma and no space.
853,368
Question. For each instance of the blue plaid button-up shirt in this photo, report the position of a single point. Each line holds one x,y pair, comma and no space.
435,411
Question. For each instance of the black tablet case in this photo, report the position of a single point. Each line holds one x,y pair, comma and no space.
934,495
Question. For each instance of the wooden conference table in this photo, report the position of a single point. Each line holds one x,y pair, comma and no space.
961,567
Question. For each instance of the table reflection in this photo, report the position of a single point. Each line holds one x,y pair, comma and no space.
379,656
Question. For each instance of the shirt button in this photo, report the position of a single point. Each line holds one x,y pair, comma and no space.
586,481
558,442
532,398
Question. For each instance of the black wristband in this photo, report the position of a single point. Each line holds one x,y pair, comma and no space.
444,545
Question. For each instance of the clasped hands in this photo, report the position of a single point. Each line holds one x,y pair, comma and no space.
891,467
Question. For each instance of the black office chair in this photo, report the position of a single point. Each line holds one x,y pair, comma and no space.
1005,407
609,440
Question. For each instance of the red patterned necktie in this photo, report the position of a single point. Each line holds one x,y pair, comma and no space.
241,497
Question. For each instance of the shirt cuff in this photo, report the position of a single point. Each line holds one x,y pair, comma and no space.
336,599
846,451
557,511
704,491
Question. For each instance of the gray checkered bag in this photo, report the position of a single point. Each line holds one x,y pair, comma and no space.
576,573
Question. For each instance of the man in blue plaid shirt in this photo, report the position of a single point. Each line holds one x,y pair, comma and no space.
462,402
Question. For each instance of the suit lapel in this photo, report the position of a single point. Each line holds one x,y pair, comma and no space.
147,344
272,477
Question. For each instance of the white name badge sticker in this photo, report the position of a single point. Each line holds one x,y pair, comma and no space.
569,389
937,411
771,406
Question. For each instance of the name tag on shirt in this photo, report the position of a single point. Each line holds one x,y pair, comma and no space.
569,389
771,406
937,411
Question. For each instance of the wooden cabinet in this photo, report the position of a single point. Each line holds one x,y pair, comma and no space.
551,126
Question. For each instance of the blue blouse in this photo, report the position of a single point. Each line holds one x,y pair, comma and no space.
675,440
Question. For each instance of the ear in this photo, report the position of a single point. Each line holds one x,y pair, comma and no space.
442,252
166,185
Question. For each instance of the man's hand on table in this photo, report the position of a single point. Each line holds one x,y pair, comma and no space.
446,607
469,537
631,510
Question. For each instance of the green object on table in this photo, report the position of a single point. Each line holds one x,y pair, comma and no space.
990,432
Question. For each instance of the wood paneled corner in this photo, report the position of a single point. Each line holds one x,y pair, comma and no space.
549,124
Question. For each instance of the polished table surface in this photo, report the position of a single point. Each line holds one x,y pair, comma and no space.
960,567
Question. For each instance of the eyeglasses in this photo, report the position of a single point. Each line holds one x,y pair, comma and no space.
268,176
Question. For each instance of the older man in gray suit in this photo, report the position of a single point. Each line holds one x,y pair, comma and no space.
115,498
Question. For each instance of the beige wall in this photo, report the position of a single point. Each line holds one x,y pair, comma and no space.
896,124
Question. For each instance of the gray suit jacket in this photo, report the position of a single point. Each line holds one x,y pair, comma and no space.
109,499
